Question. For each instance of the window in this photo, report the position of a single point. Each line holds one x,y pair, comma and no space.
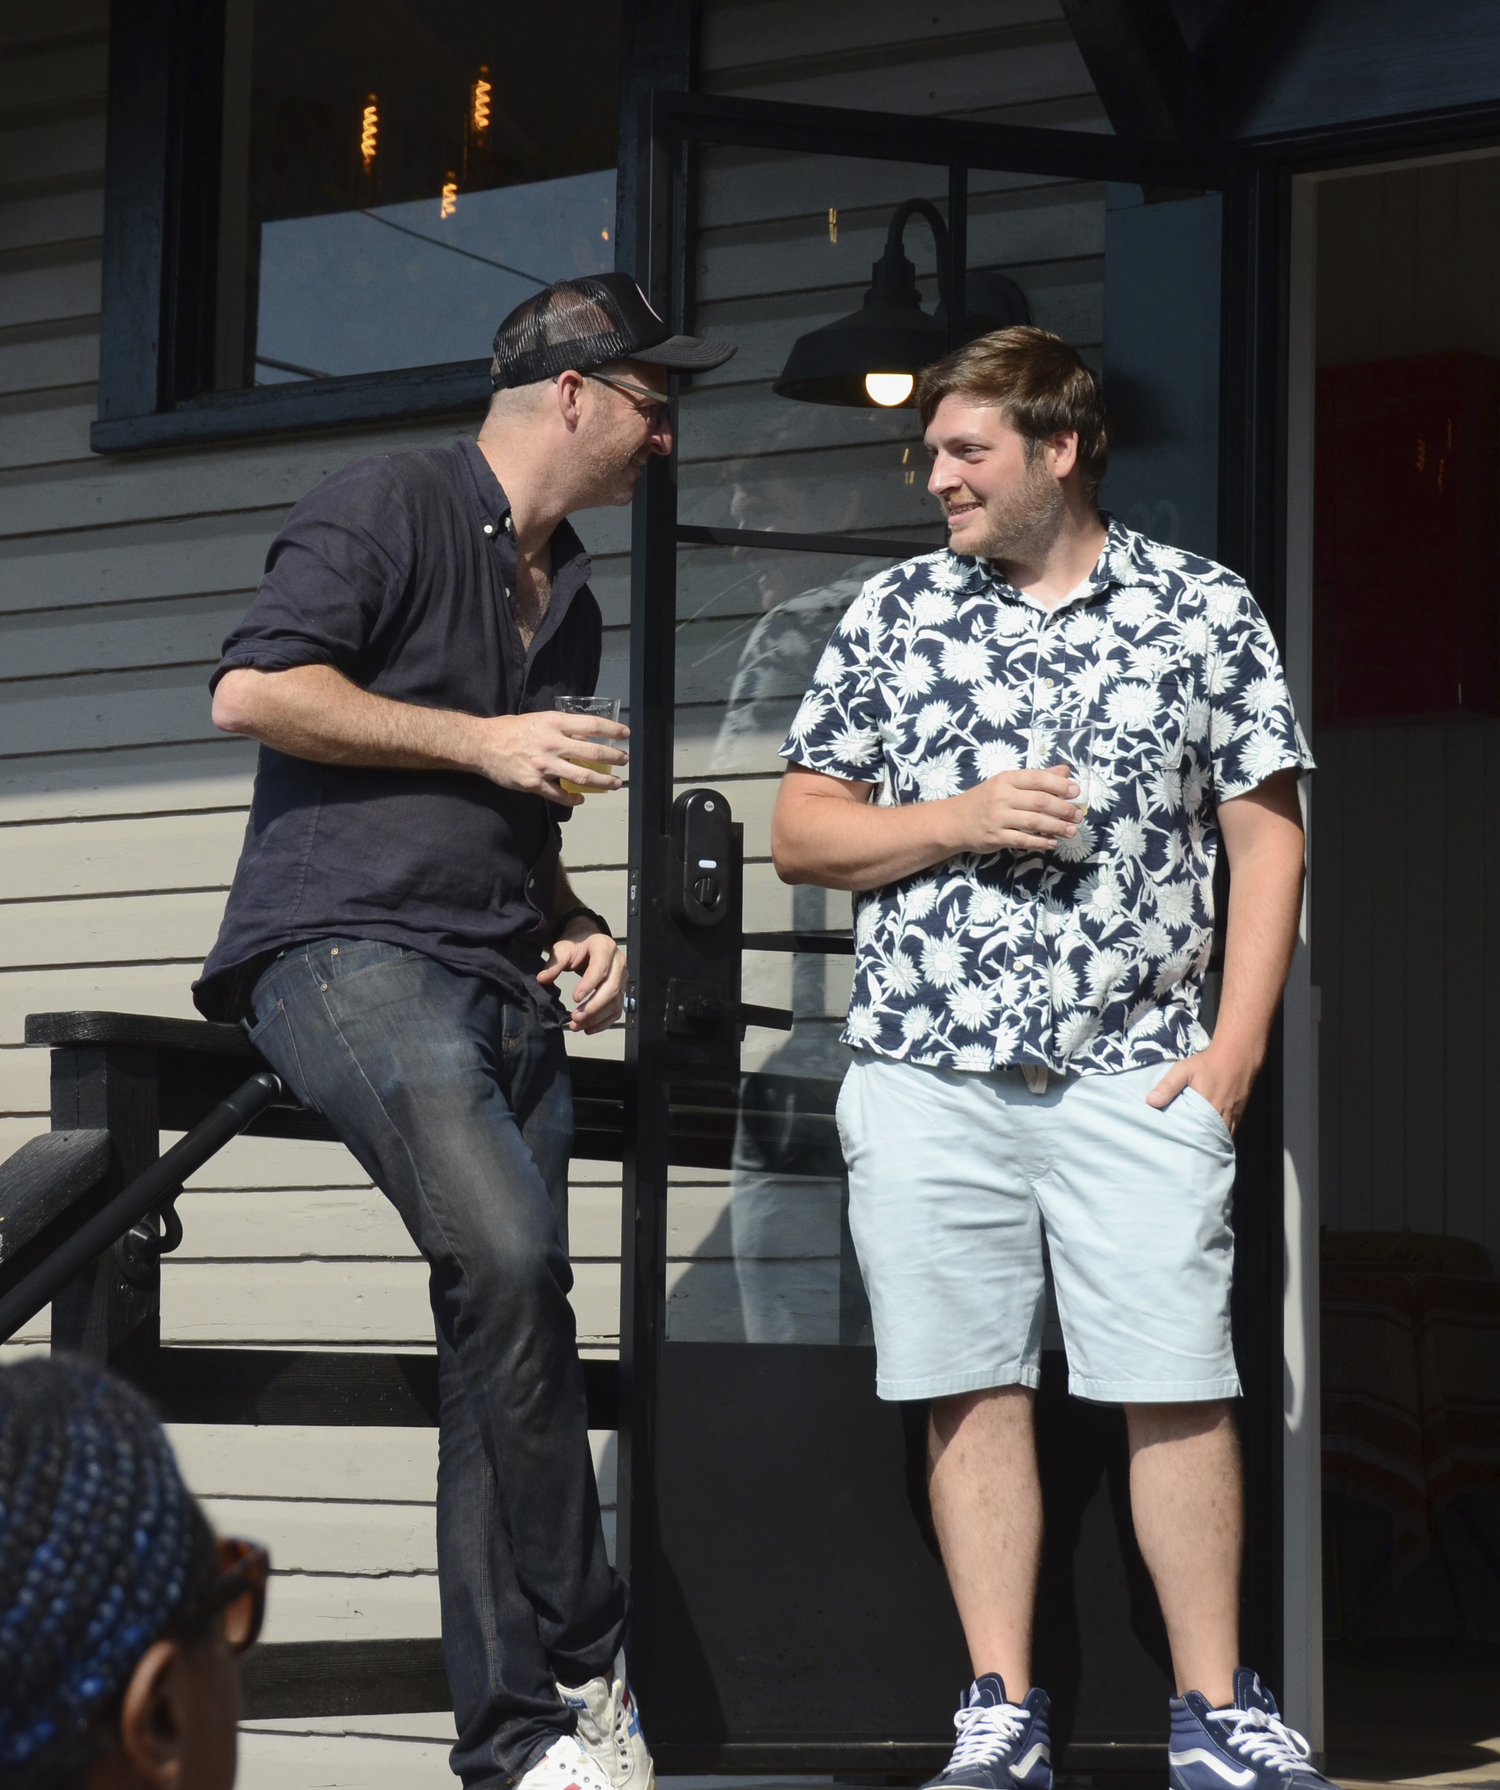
348,196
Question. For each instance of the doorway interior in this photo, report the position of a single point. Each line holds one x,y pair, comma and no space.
1400,280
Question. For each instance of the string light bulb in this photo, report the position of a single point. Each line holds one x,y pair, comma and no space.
450,196
480,114
369,132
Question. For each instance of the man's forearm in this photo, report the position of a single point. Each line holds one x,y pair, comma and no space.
842,843
1265,903
314,712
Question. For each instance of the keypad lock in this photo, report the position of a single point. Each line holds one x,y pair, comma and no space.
703,858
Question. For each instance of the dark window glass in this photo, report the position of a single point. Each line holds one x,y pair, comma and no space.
398,174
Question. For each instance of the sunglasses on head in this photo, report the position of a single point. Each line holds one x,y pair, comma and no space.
238,1593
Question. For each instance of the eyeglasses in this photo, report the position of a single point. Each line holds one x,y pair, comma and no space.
661,401
239,1591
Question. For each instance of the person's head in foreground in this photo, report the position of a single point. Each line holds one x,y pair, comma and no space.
581,369
120,1614
1016,428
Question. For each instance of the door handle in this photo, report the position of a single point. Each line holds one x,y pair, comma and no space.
695,1007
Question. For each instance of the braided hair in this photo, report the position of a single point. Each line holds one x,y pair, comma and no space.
100,1545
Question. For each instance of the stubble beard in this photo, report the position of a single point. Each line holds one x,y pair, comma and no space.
1024,524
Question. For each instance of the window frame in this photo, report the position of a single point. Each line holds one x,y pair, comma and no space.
161,204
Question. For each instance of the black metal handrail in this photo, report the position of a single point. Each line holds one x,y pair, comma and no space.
155,1187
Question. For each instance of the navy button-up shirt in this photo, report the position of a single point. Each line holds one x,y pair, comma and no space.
1090,957
400,572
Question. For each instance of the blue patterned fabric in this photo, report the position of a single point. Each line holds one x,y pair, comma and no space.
1089,958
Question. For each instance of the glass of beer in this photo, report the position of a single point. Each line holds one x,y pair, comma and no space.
598,708
1066,740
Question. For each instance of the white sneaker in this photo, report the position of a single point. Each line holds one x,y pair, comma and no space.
564,1766
609,1731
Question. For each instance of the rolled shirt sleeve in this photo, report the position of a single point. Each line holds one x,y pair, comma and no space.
1252,728
333,572
836,729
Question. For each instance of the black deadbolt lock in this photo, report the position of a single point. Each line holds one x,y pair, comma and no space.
702,857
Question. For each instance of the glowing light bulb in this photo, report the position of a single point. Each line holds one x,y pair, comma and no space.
889,388
450,196
369,132
605,235
481,113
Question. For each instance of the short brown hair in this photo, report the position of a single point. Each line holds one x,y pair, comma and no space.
1042,383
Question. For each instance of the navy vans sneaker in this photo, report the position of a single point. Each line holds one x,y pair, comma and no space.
1247,1747
1000,1745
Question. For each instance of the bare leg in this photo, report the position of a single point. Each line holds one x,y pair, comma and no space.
987,1506
1188,1500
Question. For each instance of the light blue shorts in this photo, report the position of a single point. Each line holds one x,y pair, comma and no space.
955,1178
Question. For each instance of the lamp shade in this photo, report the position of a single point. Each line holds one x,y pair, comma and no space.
890,333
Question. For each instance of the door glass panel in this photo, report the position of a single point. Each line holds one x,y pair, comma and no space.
759,1248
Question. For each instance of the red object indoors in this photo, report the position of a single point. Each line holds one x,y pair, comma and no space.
1406,550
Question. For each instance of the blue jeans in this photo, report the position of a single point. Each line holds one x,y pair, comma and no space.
458,1106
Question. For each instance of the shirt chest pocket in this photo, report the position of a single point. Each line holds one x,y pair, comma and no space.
1144,722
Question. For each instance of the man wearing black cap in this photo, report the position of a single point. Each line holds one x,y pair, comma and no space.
394,935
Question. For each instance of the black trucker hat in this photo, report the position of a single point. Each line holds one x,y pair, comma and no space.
588,323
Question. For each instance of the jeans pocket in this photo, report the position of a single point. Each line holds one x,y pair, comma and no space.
274,1039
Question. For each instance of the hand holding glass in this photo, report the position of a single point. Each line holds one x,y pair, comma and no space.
597,708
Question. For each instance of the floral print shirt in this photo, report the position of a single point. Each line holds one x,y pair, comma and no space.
1089,958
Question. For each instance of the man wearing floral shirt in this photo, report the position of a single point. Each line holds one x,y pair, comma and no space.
1032,932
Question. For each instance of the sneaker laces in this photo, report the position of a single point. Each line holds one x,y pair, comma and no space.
984,1732
618,1728
1263,1739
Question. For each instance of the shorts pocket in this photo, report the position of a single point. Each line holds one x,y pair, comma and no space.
1205,1108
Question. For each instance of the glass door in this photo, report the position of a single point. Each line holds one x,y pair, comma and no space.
791,1609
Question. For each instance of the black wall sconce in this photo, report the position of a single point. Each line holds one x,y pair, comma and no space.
871,357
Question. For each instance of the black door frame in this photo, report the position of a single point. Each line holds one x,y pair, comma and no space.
1250,338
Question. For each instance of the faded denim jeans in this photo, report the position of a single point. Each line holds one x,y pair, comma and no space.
458,1105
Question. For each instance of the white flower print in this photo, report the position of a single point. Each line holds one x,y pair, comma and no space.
1174,904
1132,607
831,666
1081,847
932,718
1100,895
1195,635
901,975
1131,706
861,1027
938,777
1075,1030
918,902
1090,954
1152,940
932,608
915,675
999,704
943,961
1061,984
965,661
985,907
917,1022
995,756
1127,837
1261,756
856,745
972,1005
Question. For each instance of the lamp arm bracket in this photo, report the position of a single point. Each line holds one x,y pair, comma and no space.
905,211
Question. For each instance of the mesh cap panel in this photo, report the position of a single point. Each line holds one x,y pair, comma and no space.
588,323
